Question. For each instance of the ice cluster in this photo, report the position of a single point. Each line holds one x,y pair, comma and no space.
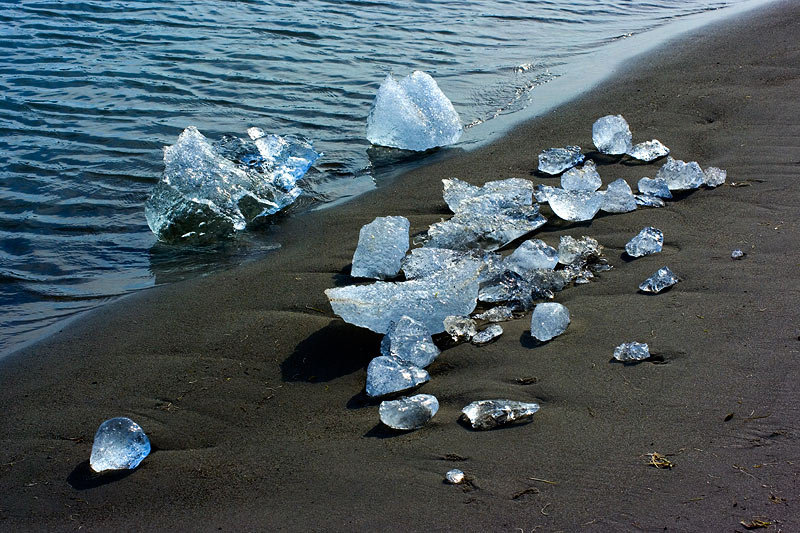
118,444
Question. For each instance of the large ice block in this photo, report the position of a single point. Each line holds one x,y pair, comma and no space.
557,160
386,375
618,198
409,340
487,414
408,413
681,176
118,444
382,244
575,206
494,195
612,135
549,320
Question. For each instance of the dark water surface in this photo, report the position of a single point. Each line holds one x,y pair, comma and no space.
91,91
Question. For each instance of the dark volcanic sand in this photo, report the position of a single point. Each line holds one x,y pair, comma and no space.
250,389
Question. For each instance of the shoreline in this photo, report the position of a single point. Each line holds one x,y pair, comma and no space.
250,389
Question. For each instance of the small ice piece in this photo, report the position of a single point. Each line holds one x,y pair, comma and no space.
487,335
648,200
659,281
549,320
714,177
618,198
386,375
572,251
543,192
496,314
487,414
575,206
582,179
557,160
681,176
499,194
648,150
654,187
118,444
460,327
454,476
409,340
408,413
737,254
532,255
631,351
612,135
412,114
648,241
382,244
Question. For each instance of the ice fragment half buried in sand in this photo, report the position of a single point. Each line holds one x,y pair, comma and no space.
382,244
582,179
648,241
612,135
487,335
648,151
631,351
618,198
487,414
386,375
409,340
118,444
408,413
662,279
412,114
681,176
557,160
575,206
549,320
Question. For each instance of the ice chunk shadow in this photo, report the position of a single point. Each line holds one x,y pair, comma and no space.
656,359
336,350
382,431
600,159
83,477
529,341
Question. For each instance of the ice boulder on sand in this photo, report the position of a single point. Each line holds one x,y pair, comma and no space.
612,135
382,244
119,444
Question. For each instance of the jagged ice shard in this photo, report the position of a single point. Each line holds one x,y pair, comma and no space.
631,351
648,241
382,244
575,206
496,314
582,179
549,320
118,444
612,135
408,413
386,375
208,191
556,160
409,340
412,114
662,279
648,151
460,327
618,198
572,251
681,176
487,414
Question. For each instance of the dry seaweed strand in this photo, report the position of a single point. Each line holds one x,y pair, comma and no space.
659,461
755,523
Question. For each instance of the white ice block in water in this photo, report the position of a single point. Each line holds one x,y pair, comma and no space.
557,160
618,198
714,177
585,178
631,351
531,255
612,135
549,320
646,242
681,176
412,114
382,244
386,375
575,206
487,414
648,151
408,413
409,340
662,279
118,444
655,187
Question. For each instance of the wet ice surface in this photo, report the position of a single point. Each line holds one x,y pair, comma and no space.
387,375
492,196
549,320
737,254
648,150
531,255
575,206
647,200
557,160
460,327
646,242
585,178
408,413
631,351
487,414
487,335
496,314
409,340
382,245
454,476
681,176
118,444
662,279
412,114
487,230
654,187
572,251
714,177
612,135
618,198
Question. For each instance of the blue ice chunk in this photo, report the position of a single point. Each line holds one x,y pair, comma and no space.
118,444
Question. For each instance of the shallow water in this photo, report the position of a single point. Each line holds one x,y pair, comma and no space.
90,92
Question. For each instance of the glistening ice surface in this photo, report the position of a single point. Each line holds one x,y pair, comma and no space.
119,443
382,244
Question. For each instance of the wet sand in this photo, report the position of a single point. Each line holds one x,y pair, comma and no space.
251,390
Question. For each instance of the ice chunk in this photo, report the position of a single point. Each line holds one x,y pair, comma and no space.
487,335
542,193
648,151
454,476
386,375
714,177
582,179
118,444
631,351
662,279
496,314
487,414
681,176
557,160
412,114
648,200
409,340
737,254
531,255
521,291
408,413
612,135
424,262
460,327
549,320
575,206
618,198
655,187
648,241
572,251
485,230
495,195
211,191
382,244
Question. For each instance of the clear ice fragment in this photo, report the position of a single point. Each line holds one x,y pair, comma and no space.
582,179
543,192
454,476
460,327
654,187
487,335
662,279
382,244
618,198
118,444
485,230
575,206
572,251
612,135
492,196
496,314
487,414
408,413
648,151
549,320
737,254
386,375
412,114
681,176
409,340
531,255
714,177
424,262
631,351
648,200
648,241
556,160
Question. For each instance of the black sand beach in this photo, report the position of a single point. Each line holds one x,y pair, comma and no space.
250,389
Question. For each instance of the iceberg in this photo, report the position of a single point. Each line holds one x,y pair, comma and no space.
118,444
412,114
631,351
386,375
646,242
409,340
556,160
575,206
681,176
648,151
662,279
582,179
618,198
549,320
487,414
408,413
612,135
382,244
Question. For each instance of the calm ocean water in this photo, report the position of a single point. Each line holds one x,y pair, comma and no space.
91,91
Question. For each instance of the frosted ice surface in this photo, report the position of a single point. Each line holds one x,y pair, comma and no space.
648,151
575,206
737,254
681,176
618,198
386,375
662,279
549,320
412,114
493,195
487,414
612,135
409,340
648,200
382,244
654,187
454,476
118,444
408,413
714,177
460,327
582,179
531,255
557,160
487,335
631,351
572,251
648,241
496,314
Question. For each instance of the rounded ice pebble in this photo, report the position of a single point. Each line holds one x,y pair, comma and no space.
549,320
612,135
118,444
454,476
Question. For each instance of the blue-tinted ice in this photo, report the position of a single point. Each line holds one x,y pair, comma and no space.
575,206
409,340
386,375
612,135
487,414
648,151
646,242
408,413
655,187
557,160
585,178
681,176
531,255
714,177
631,351
118,444
382,244
549,320
487,335
662,279
618,197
